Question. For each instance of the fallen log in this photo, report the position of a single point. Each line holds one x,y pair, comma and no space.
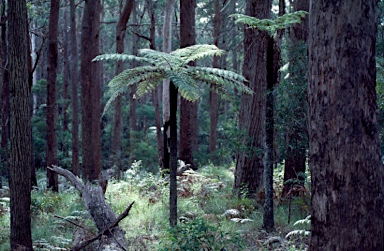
110,236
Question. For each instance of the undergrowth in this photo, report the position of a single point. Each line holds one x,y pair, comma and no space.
204,198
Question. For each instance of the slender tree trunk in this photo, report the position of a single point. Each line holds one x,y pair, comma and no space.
121,28
74,89
66,75
213,97
297,138
344,151
167,47
20,127
51,94
90,88
156,94
249,164
173,156
4,95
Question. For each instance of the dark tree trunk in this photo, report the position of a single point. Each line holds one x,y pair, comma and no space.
90,90
121,28
74,89
20,127
51,94
173,155
297,138
249,164
188,122
4,96
344,153
273,61
213,97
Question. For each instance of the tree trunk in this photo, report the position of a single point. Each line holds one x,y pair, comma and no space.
167,47
74,89
344,153
51,94
90,89
213,97
121,28
156,94
249,164
297,138
188,122
173,156
4,96
20,127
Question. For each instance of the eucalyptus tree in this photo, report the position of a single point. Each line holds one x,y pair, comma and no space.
20,127
344,152
51,118
90,91
175,67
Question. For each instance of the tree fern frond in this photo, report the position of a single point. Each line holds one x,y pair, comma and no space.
115,93
194,52
123,57
221,77
148,84
187,86
134,75
161,58
270,25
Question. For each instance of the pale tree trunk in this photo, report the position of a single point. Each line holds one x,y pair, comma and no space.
213,97
20,127
90,90
296,132
132,91
51,94
188,110
156,93
167,47
249,164
66,70
74,88
344,151
121,28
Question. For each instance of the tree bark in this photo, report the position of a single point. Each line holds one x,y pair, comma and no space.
297,138
4,95
167,47
74,89
249,163
213,97
188,119
121,28
344,153
90,88
20,127
173,155
51,94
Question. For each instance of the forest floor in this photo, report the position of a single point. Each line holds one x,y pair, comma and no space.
211,218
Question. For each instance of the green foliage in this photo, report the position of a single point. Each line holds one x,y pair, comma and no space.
199,235
173,66
305,223
270,25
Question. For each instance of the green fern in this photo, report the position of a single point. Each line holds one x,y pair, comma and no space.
156,66
270,25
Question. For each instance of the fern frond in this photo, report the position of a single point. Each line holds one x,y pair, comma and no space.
187,86
221,77
161,58
194,52
123,57
298,233
270,25
148,84
134,75
115,93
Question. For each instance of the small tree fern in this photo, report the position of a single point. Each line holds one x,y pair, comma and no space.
271,25
184,78
156,66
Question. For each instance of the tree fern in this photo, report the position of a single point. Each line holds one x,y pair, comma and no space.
271,25
156,66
